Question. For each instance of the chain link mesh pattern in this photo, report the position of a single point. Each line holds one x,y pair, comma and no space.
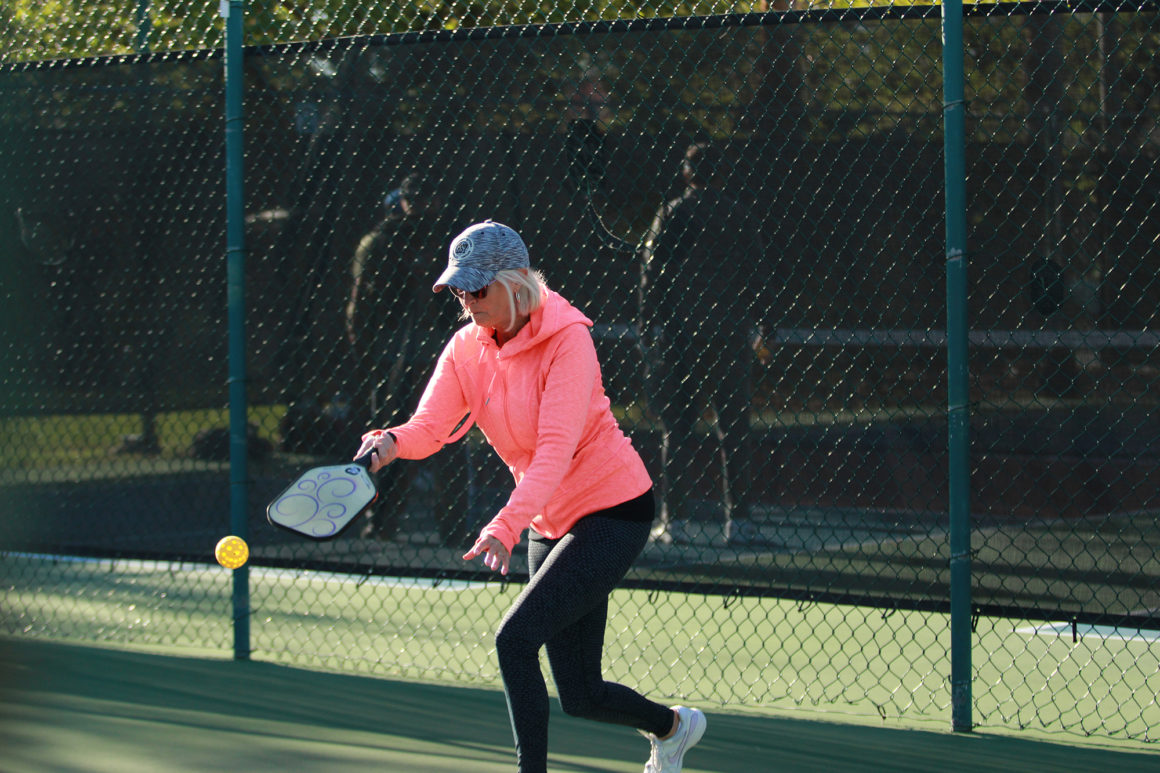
784,376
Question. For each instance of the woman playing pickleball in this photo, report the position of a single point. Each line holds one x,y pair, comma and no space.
525,371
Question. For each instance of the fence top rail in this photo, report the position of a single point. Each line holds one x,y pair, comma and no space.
891,11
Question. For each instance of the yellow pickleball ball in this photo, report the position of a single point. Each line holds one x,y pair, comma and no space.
232,552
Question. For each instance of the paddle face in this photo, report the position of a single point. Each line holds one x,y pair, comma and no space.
323,501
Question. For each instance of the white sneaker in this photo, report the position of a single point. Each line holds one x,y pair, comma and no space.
668,755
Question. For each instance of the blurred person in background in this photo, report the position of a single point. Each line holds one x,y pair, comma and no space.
395,334
700,291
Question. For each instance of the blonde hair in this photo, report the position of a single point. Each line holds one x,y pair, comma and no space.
525,288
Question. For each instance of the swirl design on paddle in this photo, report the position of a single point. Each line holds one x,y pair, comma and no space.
323,500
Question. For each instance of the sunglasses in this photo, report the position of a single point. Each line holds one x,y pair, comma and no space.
463,295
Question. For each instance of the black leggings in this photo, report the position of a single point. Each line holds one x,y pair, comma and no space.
565,607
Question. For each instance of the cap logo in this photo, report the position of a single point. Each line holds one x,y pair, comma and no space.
463,248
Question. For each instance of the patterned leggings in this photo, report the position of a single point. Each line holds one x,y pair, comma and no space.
565,607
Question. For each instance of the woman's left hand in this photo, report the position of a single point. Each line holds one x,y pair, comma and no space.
495,555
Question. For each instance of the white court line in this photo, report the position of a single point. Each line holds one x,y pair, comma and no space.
422,583
137,564
1102,632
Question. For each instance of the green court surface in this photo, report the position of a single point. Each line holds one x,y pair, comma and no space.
71,708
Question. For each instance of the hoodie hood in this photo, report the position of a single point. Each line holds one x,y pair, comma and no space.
554,314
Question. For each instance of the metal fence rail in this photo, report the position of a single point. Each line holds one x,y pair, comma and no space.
829,326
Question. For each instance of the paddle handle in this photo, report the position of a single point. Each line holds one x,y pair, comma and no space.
365,459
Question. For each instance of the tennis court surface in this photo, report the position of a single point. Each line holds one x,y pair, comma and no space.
72,708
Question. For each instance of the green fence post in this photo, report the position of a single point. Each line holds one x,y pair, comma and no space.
958,417
233,12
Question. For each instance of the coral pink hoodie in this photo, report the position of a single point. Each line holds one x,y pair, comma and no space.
540,402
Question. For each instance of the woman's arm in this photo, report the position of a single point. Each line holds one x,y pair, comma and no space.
443,405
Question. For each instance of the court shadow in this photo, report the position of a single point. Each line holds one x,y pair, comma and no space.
65,707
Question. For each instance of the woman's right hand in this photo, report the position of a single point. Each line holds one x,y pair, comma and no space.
383,444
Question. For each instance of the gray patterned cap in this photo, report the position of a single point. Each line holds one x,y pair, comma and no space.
477,254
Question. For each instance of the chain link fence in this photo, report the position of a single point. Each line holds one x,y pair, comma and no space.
781,366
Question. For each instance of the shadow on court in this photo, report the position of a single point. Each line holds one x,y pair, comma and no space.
68,708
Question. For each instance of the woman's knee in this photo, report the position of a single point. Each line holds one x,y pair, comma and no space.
578,702
513,641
